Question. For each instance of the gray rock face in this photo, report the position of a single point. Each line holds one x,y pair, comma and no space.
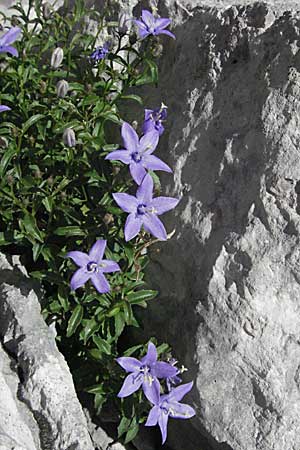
229,280
39,410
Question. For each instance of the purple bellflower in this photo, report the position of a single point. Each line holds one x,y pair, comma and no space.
8,38
92,266
138,153
152,25
154,118
4,108
168,405
143,210
100,52
144,373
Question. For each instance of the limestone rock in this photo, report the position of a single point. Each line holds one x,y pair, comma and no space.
45,386
229,281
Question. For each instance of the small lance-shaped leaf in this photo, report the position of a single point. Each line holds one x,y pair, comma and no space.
91,327
75,320
31,227
132,432
31,121
102,345
139,297
123,426
69,231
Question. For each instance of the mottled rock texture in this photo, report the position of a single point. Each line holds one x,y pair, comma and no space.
229,280
38,395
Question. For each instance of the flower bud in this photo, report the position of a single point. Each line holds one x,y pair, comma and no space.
69,138
57,57
43,87
46,10
62,88
132,38
123,28
3,142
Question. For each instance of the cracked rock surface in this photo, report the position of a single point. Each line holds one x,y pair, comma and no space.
229,281
39,409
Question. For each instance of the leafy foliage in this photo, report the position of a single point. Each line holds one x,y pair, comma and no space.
56,197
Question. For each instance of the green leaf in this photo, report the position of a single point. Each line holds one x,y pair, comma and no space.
91,327
96,389
31,227
131,350
139,297
6,158
69,231
132,432
119,324
31,121
102,345
75,320
123,426
136,98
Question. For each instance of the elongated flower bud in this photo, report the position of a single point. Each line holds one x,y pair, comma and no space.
46,10
57,57
123,27
62,88
69,138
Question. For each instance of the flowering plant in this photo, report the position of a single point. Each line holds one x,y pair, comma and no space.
64,190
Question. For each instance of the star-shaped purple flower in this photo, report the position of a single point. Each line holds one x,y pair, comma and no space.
168,405
92,266
144,209
154,118
144,373
152,25
8,38
138,153
4,108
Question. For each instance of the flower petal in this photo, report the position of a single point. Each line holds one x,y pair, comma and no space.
154,163
153,416
132,226
161,23
148,125
141,25
79,258
109,266
131,384
100,282
10,36
151,388
97,251
119,155
137,172
180,410
148,113
151,356
79,278
126,202
145,191
165,32
164,204
129,364
148,18
130,138
153,225
179,392
4,108
162,369
148,142
163,423
9,49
